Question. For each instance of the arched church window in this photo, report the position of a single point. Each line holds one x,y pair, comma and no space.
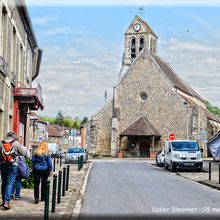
133,48
151,44
141,44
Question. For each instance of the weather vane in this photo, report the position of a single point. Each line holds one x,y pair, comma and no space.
141,12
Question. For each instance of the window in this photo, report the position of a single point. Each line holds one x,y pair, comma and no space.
141,44
154,46
151,44
133,48
4,31
143,96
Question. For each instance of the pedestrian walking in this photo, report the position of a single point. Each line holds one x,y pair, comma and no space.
10,149
42,168
17,186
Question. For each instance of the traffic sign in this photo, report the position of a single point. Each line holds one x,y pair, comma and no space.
172,136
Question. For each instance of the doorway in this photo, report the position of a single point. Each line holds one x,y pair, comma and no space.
144,149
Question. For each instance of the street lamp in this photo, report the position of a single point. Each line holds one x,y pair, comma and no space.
187,127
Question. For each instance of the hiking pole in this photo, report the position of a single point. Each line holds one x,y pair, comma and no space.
59,187
210,170
54,193
58,156
54,164
60,161
64,181
46,205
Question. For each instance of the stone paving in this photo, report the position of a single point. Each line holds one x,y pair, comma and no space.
25,207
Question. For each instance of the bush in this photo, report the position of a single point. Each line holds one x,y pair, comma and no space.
28,183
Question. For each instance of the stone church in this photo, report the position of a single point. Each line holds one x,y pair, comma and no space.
150,101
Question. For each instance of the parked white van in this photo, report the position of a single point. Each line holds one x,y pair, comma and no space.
182,154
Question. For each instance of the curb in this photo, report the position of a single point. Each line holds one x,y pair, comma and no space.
77,207
206,183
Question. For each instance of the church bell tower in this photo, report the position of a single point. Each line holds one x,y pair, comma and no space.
139,35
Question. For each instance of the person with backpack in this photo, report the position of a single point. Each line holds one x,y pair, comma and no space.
10,148
17,186
42,169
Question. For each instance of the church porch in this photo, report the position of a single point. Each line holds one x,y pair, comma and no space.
139,146
141,139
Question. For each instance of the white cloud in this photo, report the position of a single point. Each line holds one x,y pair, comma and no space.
77,78
44,20
197,63
177,45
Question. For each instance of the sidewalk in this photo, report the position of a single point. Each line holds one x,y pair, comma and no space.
203,177
25,208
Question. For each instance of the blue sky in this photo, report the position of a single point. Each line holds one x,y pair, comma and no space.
83,48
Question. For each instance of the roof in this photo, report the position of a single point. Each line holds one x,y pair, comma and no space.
212,116
175,79
142,127
216,135
146,24
52,131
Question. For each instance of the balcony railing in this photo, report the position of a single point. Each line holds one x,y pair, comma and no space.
30,92
3,66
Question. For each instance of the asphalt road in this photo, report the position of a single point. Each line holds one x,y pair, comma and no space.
139,189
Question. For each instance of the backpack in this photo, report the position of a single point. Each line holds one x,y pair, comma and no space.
8,152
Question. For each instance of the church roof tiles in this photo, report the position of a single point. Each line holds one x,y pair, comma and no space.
175,79
142,127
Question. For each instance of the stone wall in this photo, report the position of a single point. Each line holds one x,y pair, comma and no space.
100,131
164,108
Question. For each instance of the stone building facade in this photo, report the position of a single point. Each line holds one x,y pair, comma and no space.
20,59
149,102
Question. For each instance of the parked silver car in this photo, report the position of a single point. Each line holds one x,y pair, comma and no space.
73,153
160,158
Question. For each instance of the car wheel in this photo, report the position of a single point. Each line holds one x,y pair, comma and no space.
173,167
165,165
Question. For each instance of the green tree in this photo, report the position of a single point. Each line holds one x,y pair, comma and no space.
59,119
213,109
48,119
85,119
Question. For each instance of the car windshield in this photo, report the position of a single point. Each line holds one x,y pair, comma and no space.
185,146
75,150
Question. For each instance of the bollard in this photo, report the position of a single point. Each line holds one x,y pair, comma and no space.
67,177
46,204
64,181
80,162
59,187
60,161
210,170
54,164
219,174
54,193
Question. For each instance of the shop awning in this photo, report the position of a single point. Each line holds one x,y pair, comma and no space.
31,97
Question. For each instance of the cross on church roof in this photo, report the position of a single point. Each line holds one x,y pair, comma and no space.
141,12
